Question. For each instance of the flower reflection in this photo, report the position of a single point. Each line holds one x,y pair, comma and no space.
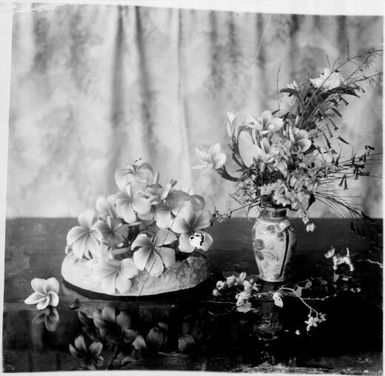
50,317
114,327
88,354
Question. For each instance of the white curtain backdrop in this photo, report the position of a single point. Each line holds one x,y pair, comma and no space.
96,86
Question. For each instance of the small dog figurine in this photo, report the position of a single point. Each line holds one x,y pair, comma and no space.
339,258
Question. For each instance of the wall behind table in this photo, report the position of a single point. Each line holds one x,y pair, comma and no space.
97,86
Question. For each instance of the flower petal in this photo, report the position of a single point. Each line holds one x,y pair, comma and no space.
86,218
179,225
142,240
139,343
75,234
167,255
141,257
128,268
38,285
122,284
43,304
126,211
53,298
95,348
154,265
198,202
184,243
142,205
202,221
108,283
35,298
163,217
164,237
80,343
123,320
51,284
247,149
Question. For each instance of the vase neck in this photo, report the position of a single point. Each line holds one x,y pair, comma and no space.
270,212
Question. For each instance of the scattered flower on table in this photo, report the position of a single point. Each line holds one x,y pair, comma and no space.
45,293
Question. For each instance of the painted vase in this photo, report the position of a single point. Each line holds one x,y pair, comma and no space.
274,240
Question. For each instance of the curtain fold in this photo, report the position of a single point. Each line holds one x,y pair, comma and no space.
96,86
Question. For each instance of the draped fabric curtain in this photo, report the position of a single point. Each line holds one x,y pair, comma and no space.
96,86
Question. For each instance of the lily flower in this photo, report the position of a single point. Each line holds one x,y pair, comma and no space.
115,275
300,140
188,222
88,355
83,240
137,176
328,80
250,152
266,123
152,255
211,159
46,293
112,231
128,204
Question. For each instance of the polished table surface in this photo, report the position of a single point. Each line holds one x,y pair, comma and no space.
350,341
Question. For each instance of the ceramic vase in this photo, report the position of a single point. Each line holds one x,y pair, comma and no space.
273,239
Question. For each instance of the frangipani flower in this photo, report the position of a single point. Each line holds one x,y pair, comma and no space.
152,255
106,207
128,204
83,240
299,139
115,275
328,80
173,204
137,176
46,293
112,231
188,222
88,355
211,159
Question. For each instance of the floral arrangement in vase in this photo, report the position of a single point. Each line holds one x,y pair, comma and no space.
292,156
144,228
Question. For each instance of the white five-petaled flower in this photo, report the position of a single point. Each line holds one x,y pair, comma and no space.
112,231
190,222
137,175
127,204
154,254
211,159
46,293
115,275
327,80
84,240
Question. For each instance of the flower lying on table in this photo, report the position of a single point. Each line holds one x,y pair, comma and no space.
46,293
294,155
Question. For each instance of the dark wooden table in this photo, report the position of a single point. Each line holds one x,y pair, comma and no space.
351,343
